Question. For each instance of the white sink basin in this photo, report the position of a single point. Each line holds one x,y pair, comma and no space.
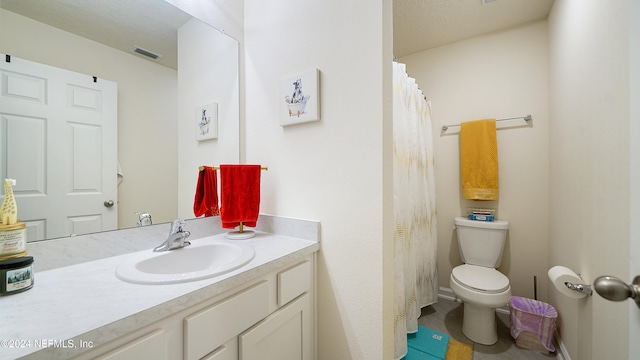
201,260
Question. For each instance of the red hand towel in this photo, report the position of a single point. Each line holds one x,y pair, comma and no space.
206,199
240,195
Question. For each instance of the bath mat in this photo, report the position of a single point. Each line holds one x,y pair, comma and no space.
429,342
459,351
413,354
456,350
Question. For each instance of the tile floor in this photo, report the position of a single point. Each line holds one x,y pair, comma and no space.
446,317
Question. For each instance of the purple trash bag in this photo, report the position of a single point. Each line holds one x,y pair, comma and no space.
535,317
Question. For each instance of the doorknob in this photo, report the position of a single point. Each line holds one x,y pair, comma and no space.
614,289
108,203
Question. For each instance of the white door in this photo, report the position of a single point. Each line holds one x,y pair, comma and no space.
58,139
634,140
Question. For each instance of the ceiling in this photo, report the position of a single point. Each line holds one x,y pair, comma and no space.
420,25
122,24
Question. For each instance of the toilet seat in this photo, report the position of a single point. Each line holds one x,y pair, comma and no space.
480,278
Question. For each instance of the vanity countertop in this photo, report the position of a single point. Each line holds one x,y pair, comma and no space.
87,303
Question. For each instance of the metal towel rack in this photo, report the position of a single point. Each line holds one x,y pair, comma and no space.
200,168
526,118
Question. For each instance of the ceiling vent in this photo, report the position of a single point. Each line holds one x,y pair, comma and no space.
147,53
485,2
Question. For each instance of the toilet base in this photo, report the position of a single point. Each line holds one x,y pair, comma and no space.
479,324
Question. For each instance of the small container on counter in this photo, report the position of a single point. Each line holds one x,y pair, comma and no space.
16,275
13,240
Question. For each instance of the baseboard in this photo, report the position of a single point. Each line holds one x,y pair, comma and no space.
447,294
561,350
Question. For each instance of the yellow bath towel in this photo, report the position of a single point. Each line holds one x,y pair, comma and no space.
479,159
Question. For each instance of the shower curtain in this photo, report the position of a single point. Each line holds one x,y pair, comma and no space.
415,241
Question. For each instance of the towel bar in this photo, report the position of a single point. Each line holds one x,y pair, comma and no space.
218,168
526,118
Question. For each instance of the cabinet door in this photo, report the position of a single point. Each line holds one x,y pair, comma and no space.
150,346
227,351
284,335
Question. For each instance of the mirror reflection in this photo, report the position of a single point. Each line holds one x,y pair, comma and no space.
157,99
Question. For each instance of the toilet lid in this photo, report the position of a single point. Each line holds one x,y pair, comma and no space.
480,278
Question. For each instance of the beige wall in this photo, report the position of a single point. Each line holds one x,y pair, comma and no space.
499,75
337,170
589,167
147,109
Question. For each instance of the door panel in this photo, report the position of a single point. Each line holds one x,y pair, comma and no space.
58,140
26,140
85,153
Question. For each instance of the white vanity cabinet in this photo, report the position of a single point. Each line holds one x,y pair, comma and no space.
271,317
270,320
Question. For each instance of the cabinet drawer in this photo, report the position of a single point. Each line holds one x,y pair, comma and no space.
293,282
150,346
209,328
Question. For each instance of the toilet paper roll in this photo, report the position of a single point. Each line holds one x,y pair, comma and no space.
559,275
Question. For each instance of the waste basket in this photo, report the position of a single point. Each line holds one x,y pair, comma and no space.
532,323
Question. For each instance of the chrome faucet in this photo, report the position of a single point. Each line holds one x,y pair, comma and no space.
144,219
176,239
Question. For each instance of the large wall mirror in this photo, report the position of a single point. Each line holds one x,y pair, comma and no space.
158,100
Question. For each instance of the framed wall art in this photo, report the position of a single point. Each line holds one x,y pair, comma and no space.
207,122
300,98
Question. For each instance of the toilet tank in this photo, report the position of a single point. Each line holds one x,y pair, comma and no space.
481,242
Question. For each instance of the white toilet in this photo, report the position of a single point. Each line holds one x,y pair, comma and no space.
477,283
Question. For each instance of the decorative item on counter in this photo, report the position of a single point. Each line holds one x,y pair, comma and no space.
9,210
481,214
13,238
16,275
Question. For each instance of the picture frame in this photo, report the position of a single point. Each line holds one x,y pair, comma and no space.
207,122
300,98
